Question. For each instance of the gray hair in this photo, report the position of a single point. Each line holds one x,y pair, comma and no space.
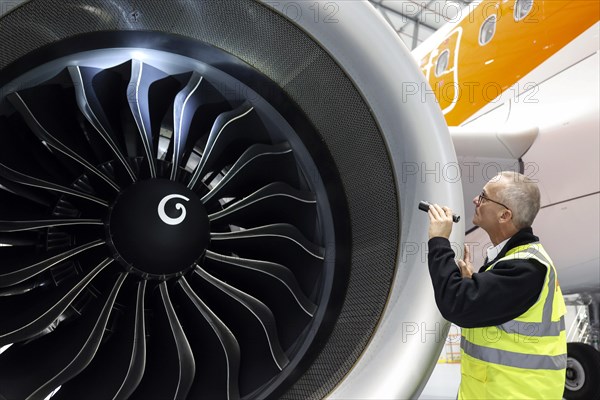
522,196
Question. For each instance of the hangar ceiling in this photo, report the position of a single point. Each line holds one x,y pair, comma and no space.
415,21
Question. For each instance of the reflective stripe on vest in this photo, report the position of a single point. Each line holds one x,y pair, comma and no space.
547,327
534,328
511,359
547,313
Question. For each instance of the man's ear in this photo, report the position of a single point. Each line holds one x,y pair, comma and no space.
506,215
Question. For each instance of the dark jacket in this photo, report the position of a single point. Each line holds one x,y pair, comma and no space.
491,297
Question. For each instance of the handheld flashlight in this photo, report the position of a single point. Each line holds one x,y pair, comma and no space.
424,206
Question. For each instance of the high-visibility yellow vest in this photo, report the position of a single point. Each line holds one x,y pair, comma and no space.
525,358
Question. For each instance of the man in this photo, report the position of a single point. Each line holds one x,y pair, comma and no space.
513,343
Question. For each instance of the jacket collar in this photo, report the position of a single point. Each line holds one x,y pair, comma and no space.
522,237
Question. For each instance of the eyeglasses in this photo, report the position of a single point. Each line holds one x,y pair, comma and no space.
482,197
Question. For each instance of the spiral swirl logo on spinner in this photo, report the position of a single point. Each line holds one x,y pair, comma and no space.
163,215
158,229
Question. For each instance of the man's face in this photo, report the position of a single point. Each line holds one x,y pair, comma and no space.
487,210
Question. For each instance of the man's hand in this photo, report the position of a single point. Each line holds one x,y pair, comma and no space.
465,266
440,221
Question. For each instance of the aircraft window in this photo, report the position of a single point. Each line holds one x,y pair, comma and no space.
442,63
488,29
522,9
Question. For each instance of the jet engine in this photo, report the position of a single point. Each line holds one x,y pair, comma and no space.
215,199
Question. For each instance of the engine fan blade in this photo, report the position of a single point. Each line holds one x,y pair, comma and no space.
258,309
229,346
47,138
23,327
50,361
120,360
168,350
88,351
241,123
266,269
138,92
274,203
258,166
17,226
184,107
280,243
20,273
92,109
23,179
